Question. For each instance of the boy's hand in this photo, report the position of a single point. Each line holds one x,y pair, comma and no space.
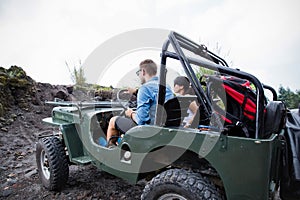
128,112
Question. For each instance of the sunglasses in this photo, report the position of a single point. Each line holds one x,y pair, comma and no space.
138,72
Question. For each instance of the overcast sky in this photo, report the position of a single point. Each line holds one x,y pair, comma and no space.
260,36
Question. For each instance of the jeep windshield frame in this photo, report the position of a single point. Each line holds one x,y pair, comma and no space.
183,47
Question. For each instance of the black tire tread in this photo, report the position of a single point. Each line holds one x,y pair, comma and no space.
58,163
193,183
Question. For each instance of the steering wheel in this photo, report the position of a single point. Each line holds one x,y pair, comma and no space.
123,98
126,100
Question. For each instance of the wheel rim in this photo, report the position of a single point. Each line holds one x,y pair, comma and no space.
171,196
45,164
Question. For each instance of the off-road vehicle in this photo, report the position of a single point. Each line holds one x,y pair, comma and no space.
238,147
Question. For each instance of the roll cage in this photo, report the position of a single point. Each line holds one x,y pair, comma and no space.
203,57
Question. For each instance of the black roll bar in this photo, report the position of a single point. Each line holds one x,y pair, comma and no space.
162,86
212,62
274,93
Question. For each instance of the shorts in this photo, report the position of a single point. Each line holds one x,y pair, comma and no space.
123,124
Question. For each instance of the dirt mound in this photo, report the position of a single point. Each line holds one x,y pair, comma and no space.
22,108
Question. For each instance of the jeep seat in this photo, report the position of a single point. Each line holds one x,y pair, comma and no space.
275,117
176,109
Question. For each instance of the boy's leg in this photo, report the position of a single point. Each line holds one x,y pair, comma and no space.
118,125
111,130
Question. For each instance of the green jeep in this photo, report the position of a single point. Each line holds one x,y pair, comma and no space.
223,155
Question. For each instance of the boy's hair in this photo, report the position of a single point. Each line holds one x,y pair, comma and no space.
149,66
182,81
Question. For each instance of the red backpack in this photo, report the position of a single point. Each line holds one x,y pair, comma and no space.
234,102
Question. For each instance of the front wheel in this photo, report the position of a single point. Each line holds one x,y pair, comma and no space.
180,184
52,163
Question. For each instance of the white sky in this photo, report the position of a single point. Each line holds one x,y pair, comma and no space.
261,36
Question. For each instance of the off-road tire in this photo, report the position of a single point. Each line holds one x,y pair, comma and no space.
52,163
180,184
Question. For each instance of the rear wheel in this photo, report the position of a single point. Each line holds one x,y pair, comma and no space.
52,163
180,184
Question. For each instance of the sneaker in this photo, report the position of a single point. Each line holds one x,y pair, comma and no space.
102,142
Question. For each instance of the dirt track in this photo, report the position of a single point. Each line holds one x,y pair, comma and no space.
18,171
